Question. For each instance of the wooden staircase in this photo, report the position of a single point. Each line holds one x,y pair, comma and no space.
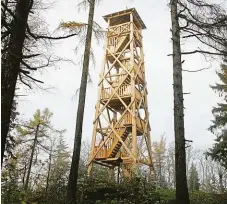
117,144
112,147
122,43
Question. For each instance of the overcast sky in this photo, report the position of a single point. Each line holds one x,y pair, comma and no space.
158,67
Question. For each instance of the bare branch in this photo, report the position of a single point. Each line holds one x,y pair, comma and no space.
7,9
20,77
36,37
30,56
198,70
32,78
201,52
27,66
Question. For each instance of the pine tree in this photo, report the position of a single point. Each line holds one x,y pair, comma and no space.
219,150
193,178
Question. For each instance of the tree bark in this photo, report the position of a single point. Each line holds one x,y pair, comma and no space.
72,184
220,175
182,195
31,158
24,173
11,66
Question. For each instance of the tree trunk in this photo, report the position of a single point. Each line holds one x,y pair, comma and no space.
220,175
31,158
24,173
182,195
11,66
72,184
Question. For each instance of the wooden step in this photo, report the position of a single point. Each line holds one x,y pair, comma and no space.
123,42
119,144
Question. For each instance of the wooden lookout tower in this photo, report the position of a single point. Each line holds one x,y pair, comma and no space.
121,134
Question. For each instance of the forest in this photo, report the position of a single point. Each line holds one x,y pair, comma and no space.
38,163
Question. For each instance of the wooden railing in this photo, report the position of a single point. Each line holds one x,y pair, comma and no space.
127,119
117,29
140,123
123,91
109,145
102,152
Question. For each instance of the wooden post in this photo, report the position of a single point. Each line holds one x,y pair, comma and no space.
133,88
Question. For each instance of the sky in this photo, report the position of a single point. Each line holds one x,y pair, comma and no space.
158,70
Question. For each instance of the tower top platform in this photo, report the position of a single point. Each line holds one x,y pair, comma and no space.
123,17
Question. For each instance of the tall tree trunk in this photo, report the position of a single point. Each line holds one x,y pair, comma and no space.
11,66
31,158
72,184
182,196
24,173
220,175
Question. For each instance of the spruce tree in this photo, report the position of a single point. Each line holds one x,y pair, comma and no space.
219,151
193,179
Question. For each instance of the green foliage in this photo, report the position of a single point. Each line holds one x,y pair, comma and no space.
49,177
159,157
166,196
135,190
219,151
196,197
24,177
199,197
193,178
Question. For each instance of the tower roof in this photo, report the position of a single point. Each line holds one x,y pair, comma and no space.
120,14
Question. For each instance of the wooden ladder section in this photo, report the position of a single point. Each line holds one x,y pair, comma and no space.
121,133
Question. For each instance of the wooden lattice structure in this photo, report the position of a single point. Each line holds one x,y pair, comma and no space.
121,134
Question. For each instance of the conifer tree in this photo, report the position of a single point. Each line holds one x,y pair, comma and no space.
193,178
219,150
35,133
